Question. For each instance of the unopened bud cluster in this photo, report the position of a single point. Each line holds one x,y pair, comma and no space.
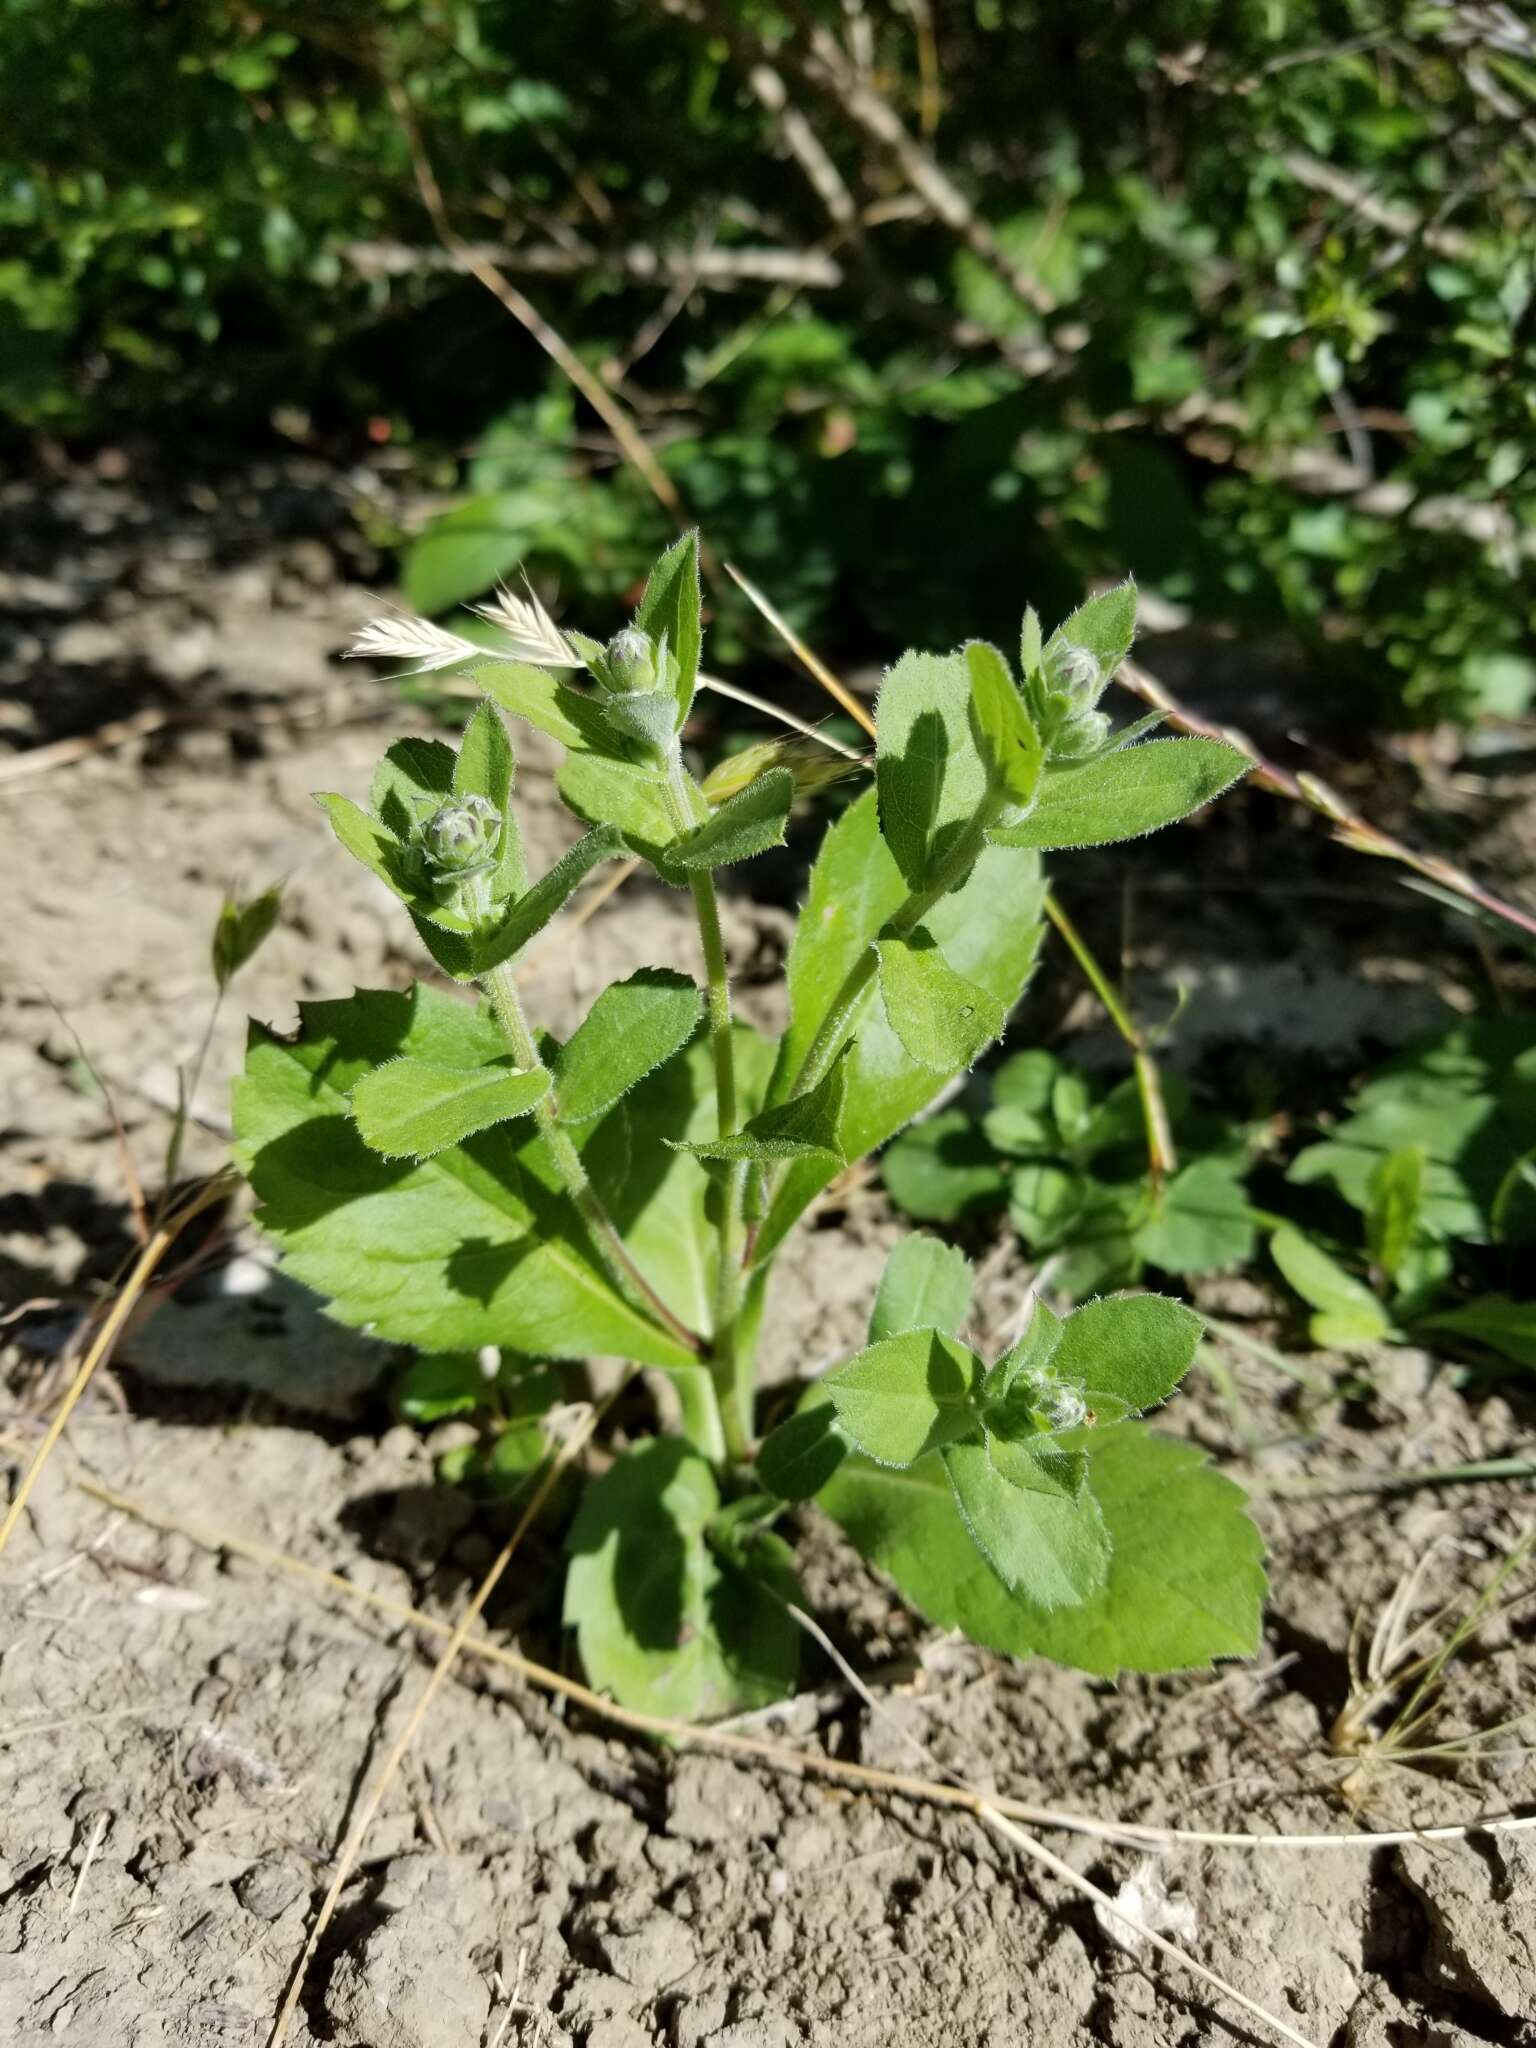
461,838
1075,681
631,661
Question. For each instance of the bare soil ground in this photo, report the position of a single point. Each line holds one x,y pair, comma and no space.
183,1735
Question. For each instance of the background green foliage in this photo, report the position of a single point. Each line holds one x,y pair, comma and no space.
1276,349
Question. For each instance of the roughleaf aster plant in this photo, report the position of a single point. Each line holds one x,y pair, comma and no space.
457,1181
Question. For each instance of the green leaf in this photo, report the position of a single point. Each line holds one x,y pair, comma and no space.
1184,1587
454,952
1468,1097
671,606
1505,1326
464,552
929,772
798,1458
989,932
1105,625
1045,1200
906,1395
747,823
414,777
1204,1225
804,1127
475,1246
926,1284
942,1020
645,716
1125,794
552,706
1005,729
1031,652
1038,1464
664,1621
623,795
944,1168
1046,1545
414,1109
1351,1314
631,1028
1027,1081
527,917
1134,1347
241,929
363,837
663,1200
443,1383
1395,1208
1030,1359
484,764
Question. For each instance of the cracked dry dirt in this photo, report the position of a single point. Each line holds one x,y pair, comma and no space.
183,1735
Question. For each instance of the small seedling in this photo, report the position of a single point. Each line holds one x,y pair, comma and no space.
455,1180
1438,1160
1067,1159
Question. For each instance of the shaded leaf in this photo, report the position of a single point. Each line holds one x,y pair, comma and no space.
929,772
1044,1543
942,1020
475,1246
663,1621
944,1168
1004,728
241,929
798,1458
906,1395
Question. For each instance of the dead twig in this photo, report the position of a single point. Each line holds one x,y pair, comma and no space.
1352,830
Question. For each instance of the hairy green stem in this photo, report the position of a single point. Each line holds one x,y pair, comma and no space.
732,1372
502,990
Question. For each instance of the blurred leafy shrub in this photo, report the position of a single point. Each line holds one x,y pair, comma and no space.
919,307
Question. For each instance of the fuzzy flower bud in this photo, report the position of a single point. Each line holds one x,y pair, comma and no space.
462,835
1064,1408
1076,669
631,660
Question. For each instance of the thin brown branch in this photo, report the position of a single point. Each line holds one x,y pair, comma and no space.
1351,829
602,401
711,269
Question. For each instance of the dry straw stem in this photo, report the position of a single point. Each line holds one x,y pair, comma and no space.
458,1636
1000,1814
106,1337
779,1755
1352,830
